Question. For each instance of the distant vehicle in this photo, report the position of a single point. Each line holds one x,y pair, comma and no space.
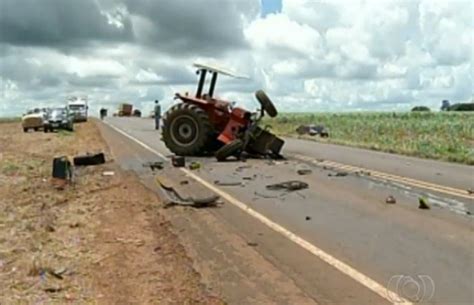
137,113
79,108
59,118
33,119
125,109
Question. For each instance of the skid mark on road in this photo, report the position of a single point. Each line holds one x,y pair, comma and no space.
389,177
356,275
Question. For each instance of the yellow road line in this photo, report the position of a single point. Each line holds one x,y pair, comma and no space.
356,275
390,177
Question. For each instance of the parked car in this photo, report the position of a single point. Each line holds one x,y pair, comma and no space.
33,119
59,118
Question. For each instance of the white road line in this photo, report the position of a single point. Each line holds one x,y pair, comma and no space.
326,257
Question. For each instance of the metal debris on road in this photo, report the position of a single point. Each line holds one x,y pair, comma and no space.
227,183
292,185
242,167
178,161
390,200
423,203
308,218
338,174
174,198
154,165
304,171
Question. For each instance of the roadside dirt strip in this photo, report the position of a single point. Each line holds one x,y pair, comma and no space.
346,269
99,240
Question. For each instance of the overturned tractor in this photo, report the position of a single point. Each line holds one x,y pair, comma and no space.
202,124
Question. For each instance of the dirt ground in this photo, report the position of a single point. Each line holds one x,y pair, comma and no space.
100,240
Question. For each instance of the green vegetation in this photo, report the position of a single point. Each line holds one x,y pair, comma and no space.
446,136
420,108
9,168
9,120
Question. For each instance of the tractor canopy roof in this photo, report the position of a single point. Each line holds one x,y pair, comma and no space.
212,68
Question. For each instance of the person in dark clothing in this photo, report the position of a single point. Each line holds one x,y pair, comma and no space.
103,113
157,115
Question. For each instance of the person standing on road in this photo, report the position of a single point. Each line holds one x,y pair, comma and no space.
157,115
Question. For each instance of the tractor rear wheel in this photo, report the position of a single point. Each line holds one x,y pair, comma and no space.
266,103
230,149
187,130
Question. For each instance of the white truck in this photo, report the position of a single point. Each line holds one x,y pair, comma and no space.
78,107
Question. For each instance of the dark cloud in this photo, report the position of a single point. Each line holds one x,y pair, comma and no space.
183,27
58,23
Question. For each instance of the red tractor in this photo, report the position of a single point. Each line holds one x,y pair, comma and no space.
203,124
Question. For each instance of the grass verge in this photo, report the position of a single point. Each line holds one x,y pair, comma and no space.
442,136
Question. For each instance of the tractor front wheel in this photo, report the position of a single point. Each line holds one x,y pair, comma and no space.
230,149
187,130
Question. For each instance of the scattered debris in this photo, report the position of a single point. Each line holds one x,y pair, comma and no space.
308,218
178,161
174,198
468,212
227,183
250,177
242,167
194,165
157,165
313,130
292,185
423,203
184,182
89,159
252,244
338,174
470,191
390,200
304,171
108,173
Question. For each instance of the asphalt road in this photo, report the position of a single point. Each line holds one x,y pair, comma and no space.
336,242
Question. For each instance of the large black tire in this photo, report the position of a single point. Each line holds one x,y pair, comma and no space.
187,130
230,149
266,103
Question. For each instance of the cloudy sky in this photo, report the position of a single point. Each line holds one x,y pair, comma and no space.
309,55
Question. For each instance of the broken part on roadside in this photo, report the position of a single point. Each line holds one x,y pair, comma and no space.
89,159
289,186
